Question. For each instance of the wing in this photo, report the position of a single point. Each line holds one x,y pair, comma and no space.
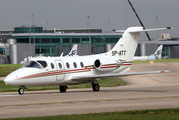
87,77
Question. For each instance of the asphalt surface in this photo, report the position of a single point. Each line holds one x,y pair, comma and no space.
152,91
2,78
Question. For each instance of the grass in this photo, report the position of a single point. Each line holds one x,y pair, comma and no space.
5,69
159,114
109,82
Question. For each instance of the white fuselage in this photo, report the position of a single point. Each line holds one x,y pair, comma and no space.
61,75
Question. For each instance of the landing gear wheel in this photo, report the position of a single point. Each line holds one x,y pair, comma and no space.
63,88
21,91
96,87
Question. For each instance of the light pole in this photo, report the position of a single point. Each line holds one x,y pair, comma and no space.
89,35
33,27
29,25
47,24
157,17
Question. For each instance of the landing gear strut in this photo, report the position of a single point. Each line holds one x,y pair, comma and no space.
63,88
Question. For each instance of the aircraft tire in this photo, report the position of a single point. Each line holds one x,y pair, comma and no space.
63,88
96,87
21,91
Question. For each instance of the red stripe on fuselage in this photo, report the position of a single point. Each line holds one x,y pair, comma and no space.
127,64
109,67
67,71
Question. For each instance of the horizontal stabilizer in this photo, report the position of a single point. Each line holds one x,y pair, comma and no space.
119,31
145,30
148,30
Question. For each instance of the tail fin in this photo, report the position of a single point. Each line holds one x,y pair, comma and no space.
125,48
158,52
73,51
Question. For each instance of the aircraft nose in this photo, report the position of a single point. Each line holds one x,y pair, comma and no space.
9,79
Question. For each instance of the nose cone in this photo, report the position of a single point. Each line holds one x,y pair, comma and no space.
9,79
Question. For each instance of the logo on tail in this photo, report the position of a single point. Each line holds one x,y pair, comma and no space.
73,52
157,55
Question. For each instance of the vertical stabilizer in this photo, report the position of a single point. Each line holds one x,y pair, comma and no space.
73,51
125,48
158,52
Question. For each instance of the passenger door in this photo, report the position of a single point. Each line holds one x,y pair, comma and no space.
60,70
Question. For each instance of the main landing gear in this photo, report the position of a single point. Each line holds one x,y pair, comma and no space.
63,88
21,90
95,85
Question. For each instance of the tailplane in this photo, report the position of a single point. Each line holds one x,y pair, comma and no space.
125,48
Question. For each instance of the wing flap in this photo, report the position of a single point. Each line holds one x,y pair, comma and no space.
87,77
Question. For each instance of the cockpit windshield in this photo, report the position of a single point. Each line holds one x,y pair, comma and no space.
36,64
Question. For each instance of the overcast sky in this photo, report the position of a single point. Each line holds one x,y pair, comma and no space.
67,14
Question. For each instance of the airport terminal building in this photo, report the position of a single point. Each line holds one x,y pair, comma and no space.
52,42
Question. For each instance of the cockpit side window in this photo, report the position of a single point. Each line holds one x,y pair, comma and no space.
43,63
32,64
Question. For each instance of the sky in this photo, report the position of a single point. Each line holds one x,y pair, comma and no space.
68,14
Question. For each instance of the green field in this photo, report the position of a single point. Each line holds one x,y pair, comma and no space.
5,69
161,114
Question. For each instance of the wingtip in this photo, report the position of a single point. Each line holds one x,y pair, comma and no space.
170,27
165,71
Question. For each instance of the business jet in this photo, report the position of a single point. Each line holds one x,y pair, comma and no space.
156,55
65,71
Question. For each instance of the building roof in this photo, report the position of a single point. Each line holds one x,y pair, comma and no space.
68,34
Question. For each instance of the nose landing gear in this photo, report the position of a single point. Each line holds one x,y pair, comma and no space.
21,90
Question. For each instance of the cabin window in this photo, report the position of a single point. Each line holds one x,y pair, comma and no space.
82,65
32,64
52,65
68,65
43,63
74,64
60,65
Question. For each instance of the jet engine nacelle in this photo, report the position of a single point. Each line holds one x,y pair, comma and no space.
106,65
